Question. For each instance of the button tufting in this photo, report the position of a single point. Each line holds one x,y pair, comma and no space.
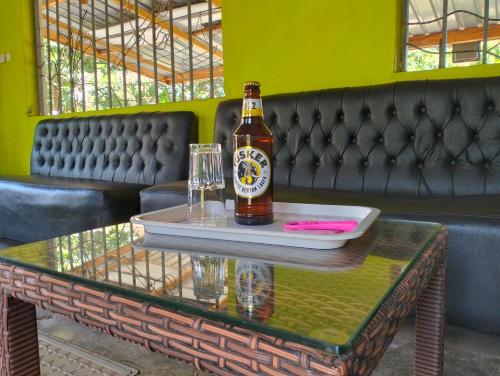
490,106
295,117
318,163
439,134
275,159
341,116
487,164
411,137
423,110
274,117
453,162
475,135
353,139
420,165
367,113
393,161
339,161
308,139
284,138
458,109
318,115
365,162
394,112
292,161
381,139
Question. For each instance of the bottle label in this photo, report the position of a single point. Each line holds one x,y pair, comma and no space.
251,107
251,172
253,284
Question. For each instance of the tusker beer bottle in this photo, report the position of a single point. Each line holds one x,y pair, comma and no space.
252,166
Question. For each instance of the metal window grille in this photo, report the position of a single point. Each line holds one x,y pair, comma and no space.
100,54
448,33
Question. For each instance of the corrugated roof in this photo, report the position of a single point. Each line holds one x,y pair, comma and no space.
427,10
126,20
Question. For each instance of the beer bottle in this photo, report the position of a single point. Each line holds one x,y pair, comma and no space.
252,166
254,290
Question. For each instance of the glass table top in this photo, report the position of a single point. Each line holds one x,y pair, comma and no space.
320,298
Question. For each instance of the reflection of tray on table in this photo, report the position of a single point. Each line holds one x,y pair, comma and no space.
350,256
173,221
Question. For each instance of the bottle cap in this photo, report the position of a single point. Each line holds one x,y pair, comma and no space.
252,83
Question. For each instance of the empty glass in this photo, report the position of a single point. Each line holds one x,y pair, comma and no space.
208,277
206,200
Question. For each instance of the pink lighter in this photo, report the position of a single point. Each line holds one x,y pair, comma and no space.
341,226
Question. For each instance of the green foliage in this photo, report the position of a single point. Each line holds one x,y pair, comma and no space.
76,89
428,58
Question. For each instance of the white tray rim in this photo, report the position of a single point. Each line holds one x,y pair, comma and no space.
322,241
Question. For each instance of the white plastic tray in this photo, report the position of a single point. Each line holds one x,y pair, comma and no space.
174,221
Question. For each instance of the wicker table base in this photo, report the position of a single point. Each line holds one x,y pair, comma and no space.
216,347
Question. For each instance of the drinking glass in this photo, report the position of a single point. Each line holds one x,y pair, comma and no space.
206,203
208,277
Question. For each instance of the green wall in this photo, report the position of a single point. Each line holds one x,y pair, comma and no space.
287,45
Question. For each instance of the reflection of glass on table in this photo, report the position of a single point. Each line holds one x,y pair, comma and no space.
208,277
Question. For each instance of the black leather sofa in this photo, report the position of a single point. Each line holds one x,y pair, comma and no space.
88,172
423,150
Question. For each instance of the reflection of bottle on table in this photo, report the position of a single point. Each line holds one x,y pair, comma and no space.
255,290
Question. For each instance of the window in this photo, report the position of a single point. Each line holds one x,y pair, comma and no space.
100,54
467,34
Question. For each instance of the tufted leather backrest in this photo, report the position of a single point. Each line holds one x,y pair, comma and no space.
421,138
145,148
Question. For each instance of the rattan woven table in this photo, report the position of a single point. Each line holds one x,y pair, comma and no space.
229,308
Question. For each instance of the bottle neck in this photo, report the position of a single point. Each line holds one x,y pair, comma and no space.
252,107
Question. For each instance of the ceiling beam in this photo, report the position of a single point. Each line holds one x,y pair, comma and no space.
50,4
101,44
101,54
206,29
129,5
471,34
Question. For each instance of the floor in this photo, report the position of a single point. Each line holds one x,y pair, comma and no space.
467,353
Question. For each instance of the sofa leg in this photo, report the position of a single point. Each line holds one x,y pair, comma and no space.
19,338
430,326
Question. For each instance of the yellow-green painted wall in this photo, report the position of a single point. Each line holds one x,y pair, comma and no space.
288,45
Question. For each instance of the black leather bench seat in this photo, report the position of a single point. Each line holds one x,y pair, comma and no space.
38,207
87,172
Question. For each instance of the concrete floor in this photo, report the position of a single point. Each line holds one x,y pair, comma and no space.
467,353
